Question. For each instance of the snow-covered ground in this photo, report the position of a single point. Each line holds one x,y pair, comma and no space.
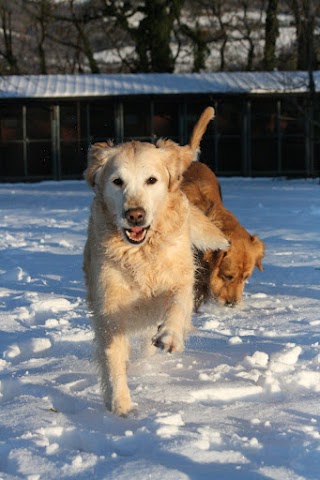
242,401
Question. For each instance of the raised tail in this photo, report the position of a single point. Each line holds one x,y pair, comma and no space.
200,127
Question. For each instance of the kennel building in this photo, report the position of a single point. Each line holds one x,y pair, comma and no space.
266,123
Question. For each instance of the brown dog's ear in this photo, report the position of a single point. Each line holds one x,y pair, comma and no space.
208,256
97,157
220,255
259,249
177,160
214,258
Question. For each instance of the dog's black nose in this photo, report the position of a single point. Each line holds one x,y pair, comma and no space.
231,303
135,216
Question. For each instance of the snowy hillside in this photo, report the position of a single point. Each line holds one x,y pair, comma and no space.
242,401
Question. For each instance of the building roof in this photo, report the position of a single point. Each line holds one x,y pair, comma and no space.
97,85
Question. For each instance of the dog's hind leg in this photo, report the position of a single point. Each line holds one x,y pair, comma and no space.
112,356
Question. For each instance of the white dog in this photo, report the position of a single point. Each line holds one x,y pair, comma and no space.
138,259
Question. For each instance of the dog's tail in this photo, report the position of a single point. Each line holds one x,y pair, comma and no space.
200,127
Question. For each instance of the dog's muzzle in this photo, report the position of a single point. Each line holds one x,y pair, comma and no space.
137,232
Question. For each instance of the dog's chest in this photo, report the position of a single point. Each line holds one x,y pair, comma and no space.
156,274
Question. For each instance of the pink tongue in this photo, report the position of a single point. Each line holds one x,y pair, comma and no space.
136,229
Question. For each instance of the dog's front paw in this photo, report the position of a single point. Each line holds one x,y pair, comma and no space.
122,408
120,405
168,340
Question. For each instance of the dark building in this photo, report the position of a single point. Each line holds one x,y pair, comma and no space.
266,124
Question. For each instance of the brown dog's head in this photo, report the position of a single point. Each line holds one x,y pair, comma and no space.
230,270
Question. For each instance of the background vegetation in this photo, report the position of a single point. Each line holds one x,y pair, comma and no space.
75,36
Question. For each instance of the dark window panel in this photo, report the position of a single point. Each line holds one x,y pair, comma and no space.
11,123
39,159
11,160
69,122
264,154
166,120
263,117
292,117
73,158
229,117
293,154
38,122
229,155
136,121
207,155
102,125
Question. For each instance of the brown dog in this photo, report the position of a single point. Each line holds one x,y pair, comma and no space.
221,274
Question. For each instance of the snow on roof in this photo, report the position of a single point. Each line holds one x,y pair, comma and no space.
94,85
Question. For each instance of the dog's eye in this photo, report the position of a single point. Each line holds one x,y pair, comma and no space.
229,278
118,182
151,181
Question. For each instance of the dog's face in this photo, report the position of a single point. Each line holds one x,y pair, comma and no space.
230,270
134,180
135,186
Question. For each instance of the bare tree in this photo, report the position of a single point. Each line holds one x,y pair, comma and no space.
271,34
219,16
69,36
249,22
40,20
305,14
77,19
150,26
198,37
7,48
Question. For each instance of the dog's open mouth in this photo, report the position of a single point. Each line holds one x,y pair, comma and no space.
136,235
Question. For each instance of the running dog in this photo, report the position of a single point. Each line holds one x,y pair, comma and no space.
138,259
223,274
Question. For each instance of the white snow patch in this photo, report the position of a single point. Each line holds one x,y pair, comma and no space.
234,340
12,351
227,394
285,360
40,344
241,410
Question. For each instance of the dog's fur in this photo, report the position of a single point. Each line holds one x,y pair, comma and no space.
222,274
138,259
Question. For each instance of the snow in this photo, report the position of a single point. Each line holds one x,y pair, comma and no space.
241,402
97,85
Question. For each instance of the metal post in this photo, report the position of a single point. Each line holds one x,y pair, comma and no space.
279,140
25,140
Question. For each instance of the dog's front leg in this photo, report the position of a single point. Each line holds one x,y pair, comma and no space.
205,235
113,353
171,334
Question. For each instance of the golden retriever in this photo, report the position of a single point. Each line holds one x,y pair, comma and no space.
138,260
222,274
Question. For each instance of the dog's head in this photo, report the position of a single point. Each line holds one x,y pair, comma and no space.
134,180
230,270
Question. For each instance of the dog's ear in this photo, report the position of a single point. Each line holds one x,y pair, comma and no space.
259,250
97,157
214,258
177,160
208,256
